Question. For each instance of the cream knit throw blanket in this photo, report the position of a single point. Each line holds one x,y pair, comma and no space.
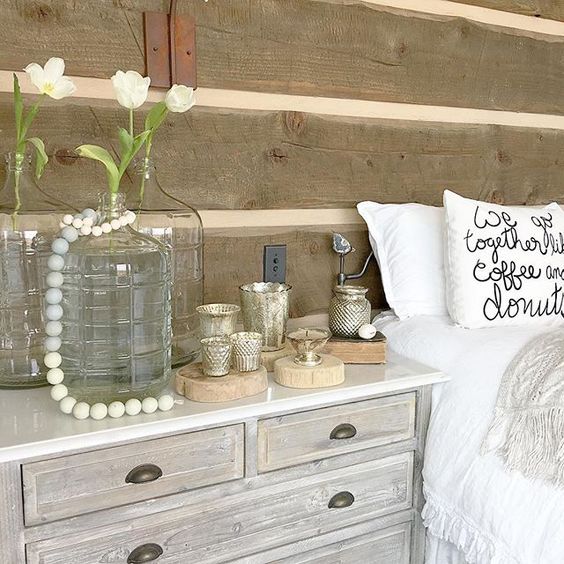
527,430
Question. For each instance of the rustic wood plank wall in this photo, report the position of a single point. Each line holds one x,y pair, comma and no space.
329,48
248,159
550,9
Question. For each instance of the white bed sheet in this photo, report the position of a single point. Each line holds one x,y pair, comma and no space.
492,516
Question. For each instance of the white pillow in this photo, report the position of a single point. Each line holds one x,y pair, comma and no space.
407,240
503,265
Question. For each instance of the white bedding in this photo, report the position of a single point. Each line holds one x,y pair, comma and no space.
492,516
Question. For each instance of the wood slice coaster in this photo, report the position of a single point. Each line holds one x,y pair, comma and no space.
268,358
330,372
191,382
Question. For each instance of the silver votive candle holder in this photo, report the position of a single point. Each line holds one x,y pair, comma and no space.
246,350
216,356
217,320
265,309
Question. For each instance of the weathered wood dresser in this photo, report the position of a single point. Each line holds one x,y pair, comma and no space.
329,475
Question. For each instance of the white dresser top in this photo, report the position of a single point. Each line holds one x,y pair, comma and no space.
31,424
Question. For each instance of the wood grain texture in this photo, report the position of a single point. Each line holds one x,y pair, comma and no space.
191,382
302,437
81,483
211,495
247,523
237,159
333,48
389,546
233,257
12,547
550,9
331,544
423,414
331,372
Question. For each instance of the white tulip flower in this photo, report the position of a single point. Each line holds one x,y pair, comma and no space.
50,80
131,88
180,98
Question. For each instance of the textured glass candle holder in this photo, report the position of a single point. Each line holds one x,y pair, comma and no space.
217,320
265,308
216,356
247,347
349,310
306,341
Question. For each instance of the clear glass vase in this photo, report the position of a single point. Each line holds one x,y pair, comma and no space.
28,221
179,227
116,302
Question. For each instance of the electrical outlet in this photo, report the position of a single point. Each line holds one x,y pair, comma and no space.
274,263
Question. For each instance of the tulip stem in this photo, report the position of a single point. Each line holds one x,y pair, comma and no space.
131,121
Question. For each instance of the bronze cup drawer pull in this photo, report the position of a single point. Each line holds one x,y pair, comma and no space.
145,553
341,499
142,474
343,431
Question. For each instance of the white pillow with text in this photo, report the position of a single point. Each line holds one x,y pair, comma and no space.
503,265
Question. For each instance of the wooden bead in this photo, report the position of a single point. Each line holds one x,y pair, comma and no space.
53,359
166,402
133,406
55,376
81,410
116,409
149,405
99,411
59,392
67,404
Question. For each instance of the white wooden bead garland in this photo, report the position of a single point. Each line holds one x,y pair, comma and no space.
72,227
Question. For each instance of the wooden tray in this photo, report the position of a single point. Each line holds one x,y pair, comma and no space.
358,351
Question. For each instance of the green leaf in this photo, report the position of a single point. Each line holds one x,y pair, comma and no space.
156,116
138,141
41,157
125,141
27,122
18,111
100,154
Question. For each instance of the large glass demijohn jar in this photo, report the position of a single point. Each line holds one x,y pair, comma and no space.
179,228
116,303
28,220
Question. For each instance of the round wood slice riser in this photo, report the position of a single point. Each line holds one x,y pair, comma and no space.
193,384
268,358
331,372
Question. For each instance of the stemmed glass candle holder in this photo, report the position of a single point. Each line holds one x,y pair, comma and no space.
216,356
306,341
247,348
217,319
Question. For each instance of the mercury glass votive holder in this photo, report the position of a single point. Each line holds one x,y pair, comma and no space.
217,320
265,309
246,352
216,356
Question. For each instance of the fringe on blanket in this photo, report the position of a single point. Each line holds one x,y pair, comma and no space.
445,524
527,430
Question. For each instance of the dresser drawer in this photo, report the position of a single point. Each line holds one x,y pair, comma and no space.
81,483
388,546
246,523
313,435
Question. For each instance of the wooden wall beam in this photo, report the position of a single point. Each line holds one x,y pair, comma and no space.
242,159
320,48
99,91
234,256
551,9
